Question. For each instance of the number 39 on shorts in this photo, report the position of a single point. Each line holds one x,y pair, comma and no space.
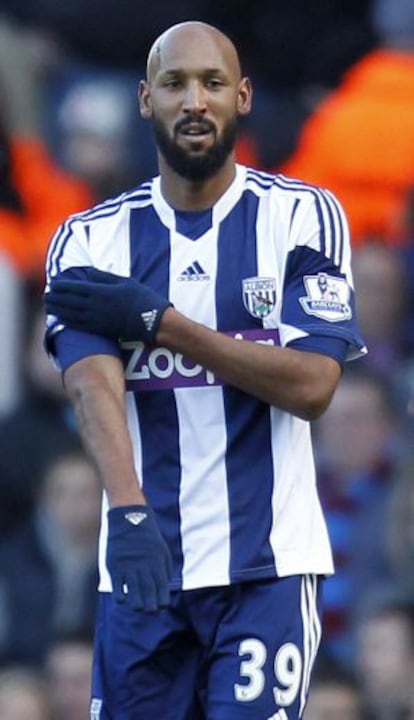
287,666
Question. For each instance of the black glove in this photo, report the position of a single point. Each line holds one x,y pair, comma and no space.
107,304
138,558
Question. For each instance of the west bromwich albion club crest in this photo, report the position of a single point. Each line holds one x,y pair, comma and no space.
259,296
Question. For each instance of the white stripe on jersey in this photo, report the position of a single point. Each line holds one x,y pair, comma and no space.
311,632
295,487
203,486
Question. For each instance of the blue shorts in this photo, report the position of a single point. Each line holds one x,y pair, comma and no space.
243,651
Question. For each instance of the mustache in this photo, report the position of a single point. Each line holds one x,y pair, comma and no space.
204,124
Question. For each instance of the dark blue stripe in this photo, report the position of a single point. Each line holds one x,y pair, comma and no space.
248,457
112,209
161,471
263,183
53,247
149,249
61,242
284,183
157,412
288,183
335,205
193,224
322,237
332,226
292,217
251,172
115,203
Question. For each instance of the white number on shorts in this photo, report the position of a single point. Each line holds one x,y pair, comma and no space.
288,671
287,667
251,669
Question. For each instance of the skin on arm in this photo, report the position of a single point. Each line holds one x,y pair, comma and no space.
96,388
301,383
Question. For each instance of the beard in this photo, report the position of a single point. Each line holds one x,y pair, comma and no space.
195,167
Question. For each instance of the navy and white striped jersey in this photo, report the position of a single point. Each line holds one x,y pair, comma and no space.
230,478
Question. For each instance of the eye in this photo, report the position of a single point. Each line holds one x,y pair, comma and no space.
172,83
214,83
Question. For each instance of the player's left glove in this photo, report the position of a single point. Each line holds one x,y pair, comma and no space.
107,304
138,558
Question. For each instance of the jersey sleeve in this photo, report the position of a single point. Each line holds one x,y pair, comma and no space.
318,292
68,257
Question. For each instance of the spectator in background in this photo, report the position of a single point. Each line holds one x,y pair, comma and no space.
48,569
335,695
385,658
400,529
23,695
35,194
96,133
356,454
381,283
68,670
38,429
359,142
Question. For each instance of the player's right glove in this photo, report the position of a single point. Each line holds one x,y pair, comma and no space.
107,304
138,558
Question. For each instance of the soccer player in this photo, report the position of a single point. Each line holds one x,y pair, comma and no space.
196,345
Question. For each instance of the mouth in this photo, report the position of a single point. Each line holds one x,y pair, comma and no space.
195,130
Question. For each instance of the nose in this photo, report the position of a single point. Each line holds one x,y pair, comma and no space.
194,97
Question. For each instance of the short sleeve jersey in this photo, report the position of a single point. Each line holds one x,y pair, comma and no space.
231,479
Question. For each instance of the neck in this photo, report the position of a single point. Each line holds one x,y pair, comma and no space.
183,194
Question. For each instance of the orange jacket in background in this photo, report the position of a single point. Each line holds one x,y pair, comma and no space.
48,194
359,143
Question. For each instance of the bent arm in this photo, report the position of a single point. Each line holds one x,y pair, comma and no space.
301,383
95,386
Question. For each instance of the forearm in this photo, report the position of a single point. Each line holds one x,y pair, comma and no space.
95,386
301,383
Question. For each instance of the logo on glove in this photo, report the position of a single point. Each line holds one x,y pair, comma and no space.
135,518
149,318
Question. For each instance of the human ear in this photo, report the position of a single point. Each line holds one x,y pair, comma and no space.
244,97
144,99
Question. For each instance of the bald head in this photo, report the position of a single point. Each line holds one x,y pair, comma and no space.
201,37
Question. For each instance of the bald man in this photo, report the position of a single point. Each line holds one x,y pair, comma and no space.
196,345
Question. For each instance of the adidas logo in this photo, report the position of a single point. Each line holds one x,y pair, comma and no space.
135,518
193,272
149,318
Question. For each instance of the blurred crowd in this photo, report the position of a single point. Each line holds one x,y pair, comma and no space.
334,105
